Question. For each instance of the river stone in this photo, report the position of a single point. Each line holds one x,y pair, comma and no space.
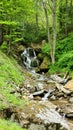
69,85
71,100
40,112
36,127
69,115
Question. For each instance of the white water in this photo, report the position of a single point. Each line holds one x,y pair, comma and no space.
30,58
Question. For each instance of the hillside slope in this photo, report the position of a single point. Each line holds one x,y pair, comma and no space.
11,76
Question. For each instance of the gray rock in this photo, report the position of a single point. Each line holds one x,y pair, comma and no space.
24,123
52,127
39,115
53,98
71,100
69,115
36,127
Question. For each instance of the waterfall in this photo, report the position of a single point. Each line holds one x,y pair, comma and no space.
29,58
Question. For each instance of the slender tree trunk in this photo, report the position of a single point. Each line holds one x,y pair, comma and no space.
71,7
66,30
47,27
54,30
52,41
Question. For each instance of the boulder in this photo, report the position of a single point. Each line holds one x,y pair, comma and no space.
44,64
40,56
20,48
39,116
69,85
36,127
43,67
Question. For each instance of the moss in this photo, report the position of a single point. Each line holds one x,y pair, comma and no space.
11,76
8,125
9,71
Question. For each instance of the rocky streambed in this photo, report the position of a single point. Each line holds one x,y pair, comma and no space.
50,103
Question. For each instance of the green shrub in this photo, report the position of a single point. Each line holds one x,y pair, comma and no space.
64,56
46,49
63,46
53,68
64,63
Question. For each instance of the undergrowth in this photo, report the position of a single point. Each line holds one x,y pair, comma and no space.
10,78
64,56
8,125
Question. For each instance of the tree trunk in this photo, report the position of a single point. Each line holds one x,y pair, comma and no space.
47,27
52,41
54,30
66,30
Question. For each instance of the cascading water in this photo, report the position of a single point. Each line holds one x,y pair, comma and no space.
29,58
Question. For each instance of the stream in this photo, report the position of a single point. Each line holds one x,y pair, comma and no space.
44,89
50,103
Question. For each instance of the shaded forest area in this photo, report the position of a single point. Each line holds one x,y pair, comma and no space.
35,21
47,24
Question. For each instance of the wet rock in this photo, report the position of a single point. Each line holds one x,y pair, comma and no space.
39,86
53,127
48,94
24,123
39,115
36,127
39,93
69,115
62,89
58,79
53,98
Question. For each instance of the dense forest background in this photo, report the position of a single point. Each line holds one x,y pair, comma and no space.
34,21
26,22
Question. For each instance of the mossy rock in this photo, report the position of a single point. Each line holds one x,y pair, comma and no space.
45,63
20,48
40,56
